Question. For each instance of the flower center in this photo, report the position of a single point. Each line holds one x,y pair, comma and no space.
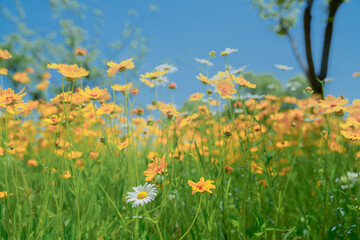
142,195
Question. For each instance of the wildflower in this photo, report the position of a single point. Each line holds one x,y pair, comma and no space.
71,72
4,54
308,90
80,52
93,94
153,75
204,79
238,70
166,67
172,85
228,169
331,104
32,163
3,193
356,74
225,88
147,82
204,61
119,67
109,108
67,175
10,100
186,121
212,54
283,67
228,51
29,70
134,91
242,82
141,195
46,75
122,88
196,97
43,85
123,145
156,167
201,186
3,71
349,180
21,77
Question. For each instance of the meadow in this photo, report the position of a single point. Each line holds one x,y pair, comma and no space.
90,164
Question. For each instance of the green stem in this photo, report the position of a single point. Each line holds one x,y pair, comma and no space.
197,213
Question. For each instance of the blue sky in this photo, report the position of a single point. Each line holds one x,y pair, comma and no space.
182,30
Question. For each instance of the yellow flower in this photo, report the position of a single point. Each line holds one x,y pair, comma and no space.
153,75
225,88
331,104
196,97
3,71
201,186
122,88
71,72
4,54
242,82
43,85
204,79
21,77
115,67
10,100
356,74
147,82
3,193
94,93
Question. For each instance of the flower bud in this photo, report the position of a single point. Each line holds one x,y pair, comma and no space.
212,54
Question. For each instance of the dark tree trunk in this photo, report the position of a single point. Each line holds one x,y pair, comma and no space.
310,71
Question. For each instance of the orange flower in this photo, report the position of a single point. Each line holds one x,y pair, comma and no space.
4,54
71,72
331,104
114,67
67,175
46,75
94,93
3,71
201,186
21,77
43,85
32,163
225,88
3,193
156,167
80,52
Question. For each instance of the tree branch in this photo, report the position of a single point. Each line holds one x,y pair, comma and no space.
333,7
297,54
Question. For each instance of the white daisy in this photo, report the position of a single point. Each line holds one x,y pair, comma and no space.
283,67
143,194
227,51
238,70
166,67
204,61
